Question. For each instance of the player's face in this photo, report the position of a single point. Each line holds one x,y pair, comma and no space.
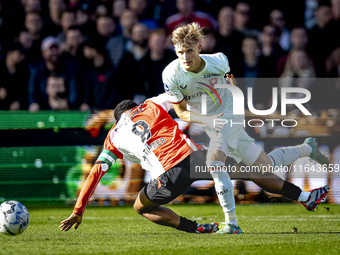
189,56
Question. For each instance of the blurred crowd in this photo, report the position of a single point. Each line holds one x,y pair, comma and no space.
91,54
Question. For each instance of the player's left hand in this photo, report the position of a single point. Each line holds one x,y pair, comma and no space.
231,79
70,221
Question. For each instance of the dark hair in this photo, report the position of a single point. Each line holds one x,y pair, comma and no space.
55,75
253,37
16,46
324,3
75,27
123,107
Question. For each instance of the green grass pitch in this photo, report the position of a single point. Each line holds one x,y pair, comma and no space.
268,229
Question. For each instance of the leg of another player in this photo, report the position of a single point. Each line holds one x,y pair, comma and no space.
271,182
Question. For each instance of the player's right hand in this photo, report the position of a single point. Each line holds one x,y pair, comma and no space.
231,79
70,221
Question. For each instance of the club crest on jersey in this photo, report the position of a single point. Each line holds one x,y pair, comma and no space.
211,87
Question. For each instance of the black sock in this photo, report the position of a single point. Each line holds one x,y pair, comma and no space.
187,225
291,191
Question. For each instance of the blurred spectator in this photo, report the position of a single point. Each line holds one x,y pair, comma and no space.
73,3
74,38
56,92
38,98
228,39
336,11
5,29
26,39
333,63
208,43
118,7
328,91
67,20
298,66
309,15
14,76
299,40
52,23
102,90
160,10
138,45
299,72
102,10
21,11
270,46
138,7
84,20
242,18
324,36
32,6
250,68
33,24
105,27
153,64
277,20
187,14
271,50
127,20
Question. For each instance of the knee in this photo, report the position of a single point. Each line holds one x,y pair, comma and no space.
138,208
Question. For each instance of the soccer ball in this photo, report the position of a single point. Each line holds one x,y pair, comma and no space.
14,218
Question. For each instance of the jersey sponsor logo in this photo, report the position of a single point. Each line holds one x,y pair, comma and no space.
209,93
210,75
141,128
198,94
166,87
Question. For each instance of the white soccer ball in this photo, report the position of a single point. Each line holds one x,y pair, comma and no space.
14,218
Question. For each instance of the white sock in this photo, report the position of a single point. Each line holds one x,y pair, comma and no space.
225,193
234,222
306,149
286,155
303,196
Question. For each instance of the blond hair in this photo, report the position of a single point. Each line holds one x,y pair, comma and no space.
190,34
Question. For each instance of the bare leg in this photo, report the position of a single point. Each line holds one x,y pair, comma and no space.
154,212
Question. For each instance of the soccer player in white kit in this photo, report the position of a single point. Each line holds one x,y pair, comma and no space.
192,75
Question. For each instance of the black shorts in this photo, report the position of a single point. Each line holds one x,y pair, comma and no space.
175,181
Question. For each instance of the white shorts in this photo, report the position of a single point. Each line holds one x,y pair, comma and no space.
246,150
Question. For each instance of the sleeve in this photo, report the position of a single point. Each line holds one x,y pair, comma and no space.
162,100
224,62
174,95
105,160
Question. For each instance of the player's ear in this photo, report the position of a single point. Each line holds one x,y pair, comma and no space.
199,48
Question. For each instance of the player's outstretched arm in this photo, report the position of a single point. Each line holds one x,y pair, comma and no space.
70,221
193,117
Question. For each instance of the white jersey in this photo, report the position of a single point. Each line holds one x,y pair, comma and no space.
180,84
